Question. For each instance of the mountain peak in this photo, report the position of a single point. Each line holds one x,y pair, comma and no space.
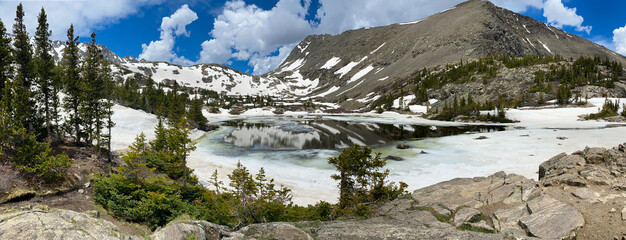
358,64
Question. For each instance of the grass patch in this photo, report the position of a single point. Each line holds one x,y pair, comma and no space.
438,216
476,218
467,227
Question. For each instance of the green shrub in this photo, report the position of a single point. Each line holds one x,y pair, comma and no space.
34,157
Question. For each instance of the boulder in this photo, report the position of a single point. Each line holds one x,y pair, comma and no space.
189,230
559,162
442,211
507,219
394,158
624,214
379,230
395,206
550,164
550,218
571,179
482,225
42,223
403,146
275,231
585,194
477,192
464,215
594,155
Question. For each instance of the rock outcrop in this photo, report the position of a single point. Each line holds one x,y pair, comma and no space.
581,196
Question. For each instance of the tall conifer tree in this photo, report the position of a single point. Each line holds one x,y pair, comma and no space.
45,65
72,83
92,92
23,101
5,58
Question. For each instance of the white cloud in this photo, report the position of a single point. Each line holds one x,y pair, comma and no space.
85,15
265,37
263,64
518,5
247,32
171,27
619,39
559,15
338,16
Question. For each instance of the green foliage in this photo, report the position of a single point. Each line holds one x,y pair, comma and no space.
34,157
609,109
46,95
471,110
150,188
361,180
540,83
5,59
72,84
195,112
514,62
23,99
584,71
564,94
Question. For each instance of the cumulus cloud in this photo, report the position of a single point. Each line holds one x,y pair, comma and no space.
559,15
264,38
85,15
171,27
338,16
247,32
518,5
619,39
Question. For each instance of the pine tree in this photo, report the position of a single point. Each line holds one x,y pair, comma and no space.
45,65
107,105
5,59
195,112
160,140
180,145
91,109
23,101
72,83
176,108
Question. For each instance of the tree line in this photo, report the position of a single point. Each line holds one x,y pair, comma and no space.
31,106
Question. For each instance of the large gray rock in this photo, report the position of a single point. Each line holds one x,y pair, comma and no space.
507,219
594,155
550,218
559,162
477,192
358,230
275,231
189,230
464,215
41,223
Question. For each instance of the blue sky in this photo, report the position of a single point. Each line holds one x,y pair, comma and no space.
254,36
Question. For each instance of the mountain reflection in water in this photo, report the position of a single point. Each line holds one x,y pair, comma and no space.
331,134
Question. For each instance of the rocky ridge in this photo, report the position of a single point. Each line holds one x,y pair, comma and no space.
356,63
581,195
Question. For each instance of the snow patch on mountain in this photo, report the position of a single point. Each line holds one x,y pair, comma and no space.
331,63
347,68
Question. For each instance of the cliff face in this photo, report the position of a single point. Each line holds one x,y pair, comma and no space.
581,195
358,62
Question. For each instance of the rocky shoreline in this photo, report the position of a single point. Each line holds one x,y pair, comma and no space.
577,196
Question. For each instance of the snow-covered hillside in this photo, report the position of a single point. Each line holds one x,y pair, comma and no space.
214,77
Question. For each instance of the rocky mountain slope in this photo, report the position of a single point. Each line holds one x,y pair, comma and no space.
356,63
581,195
214,77
357,67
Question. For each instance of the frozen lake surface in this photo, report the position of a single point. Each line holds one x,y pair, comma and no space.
294,150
